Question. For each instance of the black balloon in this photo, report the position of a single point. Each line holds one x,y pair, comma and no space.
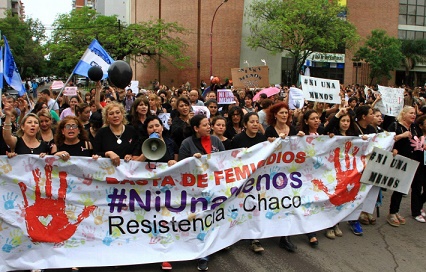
120,74
95,73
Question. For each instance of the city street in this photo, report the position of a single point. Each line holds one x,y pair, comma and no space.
381,248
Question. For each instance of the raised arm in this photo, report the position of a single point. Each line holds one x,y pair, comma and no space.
8,138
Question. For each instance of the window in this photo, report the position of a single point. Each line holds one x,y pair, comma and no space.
418,35
402,9
402,34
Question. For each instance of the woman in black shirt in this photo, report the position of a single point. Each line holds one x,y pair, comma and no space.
72,140
116,140
250,136
405,131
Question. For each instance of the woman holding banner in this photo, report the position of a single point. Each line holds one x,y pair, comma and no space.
405,132
418,187
28,139
277,116
200,143
116,140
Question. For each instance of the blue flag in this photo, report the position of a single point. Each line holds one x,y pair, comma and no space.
95,55
1,67
11,72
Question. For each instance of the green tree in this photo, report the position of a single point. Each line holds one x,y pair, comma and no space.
414,52
382,53
143,42
299,27
25,38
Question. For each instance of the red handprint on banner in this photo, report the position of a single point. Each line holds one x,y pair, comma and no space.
59,229
348,184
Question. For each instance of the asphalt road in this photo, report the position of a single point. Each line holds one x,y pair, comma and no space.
381,248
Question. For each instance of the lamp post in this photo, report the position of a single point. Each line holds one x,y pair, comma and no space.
211,37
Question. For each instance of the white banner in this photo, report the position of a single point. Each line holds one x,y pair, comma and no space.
55,214
386,171
296,99
392,100
321,90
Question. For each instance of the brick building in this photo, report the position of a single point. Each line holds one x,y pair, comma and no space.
400,18
196,16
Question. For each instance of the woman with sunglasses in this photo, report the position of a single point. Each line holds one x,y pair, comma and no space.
72,139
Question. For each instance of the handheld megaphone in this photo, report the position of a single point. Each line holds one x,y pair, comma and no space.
154,148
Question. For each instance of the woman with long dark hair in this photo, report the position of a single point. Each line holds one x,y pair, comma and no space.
235,122
181,123
197,145
139,112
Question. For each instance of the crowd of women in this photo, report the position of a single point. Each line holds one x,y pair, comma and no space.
114,123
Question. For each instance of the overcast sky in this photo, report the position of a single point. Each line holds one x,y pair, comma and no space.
46,10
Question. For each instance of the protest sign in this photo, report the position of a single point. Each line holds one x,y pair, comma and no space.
252,77
134,214
389,172
134,86
321,90
70,91
296,98
164,117
225,96
392,100
201,110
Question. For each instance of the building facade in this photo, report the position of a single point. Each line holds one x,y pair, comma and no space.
221,38
222,44
119,8
16,6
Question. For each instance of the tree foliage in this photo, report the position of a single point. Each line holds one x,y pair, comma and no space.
382,53
144,42
25,38
299,27
414,52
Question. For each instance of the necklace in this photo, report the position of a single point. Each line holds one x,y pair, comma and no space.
119,141
31,149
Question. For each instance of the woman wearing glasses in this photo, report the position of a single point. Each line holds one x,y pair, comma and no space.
72,139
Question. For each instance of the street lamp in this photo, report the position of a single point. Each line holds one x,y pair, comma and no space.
211,37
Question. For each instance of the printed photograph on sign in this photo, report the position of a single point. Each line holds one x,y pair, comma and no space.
164,117
201,110
296,99
392,100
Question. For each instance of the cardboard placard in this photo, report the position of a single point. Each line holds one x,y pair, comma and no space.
252,77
